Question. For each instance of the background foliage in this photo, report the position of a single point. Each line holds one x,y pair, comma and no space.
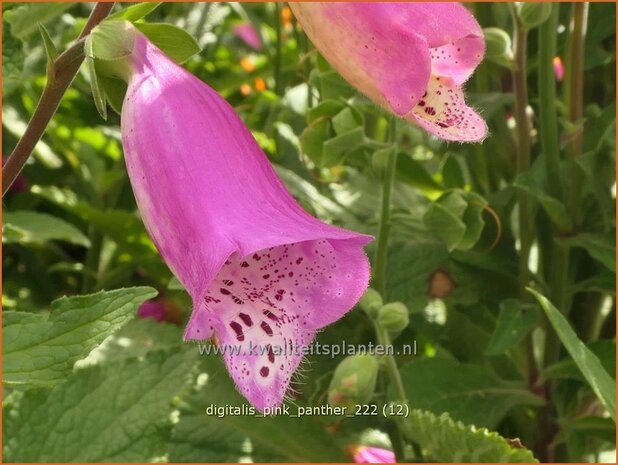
84,380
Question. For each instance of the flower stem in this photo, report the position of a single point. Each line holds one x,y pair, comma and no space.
575,95
278,45
64,71
520,89
547,102
384,225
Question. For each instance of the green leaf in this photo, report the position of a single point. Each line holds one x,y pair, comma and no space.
114,413
336,148
469,393
604,349
29,227
25,19
202,436
444,219
453,442
473,219
515,321
312,139
41,348
554,208
601,248
600,381
451,173
346,120
325,109
136,12
175,42
12,64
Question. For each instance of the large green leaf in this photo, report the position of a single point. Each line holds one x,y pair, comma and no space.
201,436
600,381
41,348
29,227
469,393
113,413
453,442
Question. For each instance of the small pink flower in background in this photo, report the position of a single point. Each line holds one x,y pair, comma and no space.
411,58
558,69
261,271
366,454
152,309
248,34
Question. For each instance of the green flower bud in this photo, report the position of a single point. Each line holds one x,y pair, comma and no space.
354,381
498,46
371,302
533,14
393,317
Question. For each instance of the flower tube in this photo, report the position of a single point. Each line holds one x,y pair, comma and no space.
263,274
410,58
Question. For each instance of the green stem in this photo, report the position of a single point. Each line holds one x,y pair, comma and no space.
520,89
64,70
394,377
278,45
547,102
385,212
575,92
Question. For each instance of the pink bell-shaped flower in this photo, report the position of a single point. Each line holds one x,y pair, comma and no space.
367,454
411,58
264,275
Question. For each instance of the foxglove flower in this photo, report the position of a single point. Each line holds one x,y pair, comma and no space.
411,58
264,275
366,454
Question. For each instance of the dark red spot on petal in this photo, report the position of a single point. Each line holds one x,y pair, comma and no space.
246,319
264,372
240,336
267,329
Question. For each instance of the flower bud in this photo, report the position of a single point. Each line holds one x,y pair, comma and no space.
533,14
499,48
393,317
371,302
354,381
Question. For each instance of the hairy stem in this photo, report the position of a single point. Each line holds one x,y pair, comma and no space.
64,70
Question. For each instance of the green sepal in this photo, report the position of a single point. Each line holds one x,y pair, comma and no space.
50,50
98,94
136,12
